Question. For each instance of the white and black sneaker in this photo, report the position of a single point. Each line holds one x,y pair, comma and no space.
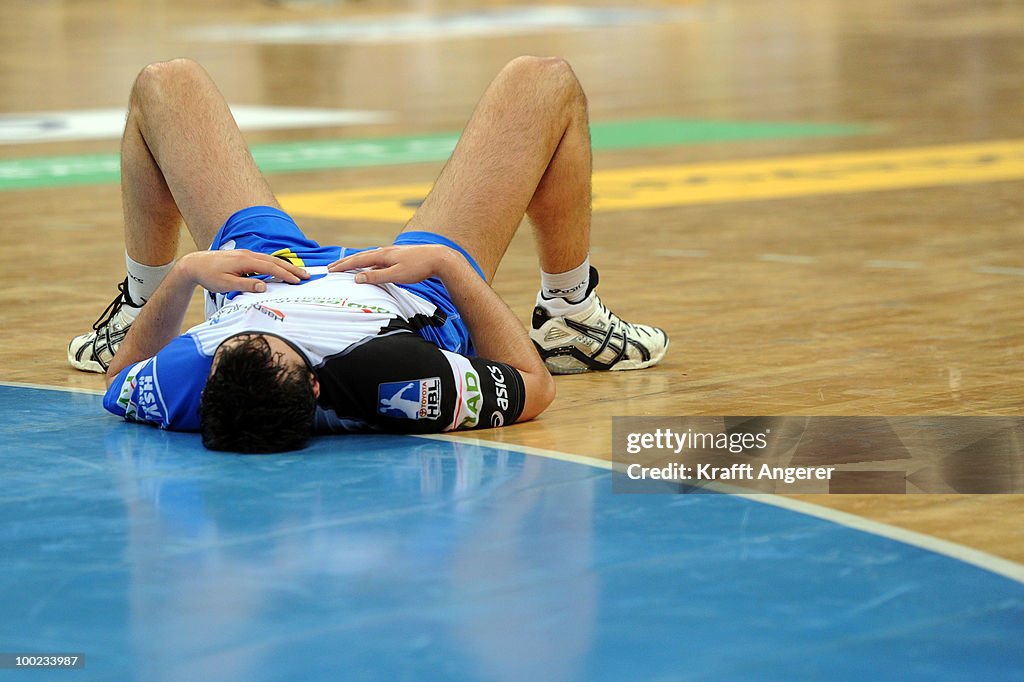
93,351
581,337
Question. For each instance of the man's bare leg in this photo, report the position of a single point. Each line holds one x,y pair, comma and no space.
525,150
182,156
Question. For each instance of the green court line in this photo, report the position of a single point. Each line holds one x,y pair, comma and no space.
294,157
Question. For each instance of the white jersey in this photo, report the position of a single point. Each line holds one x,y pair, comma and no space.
322,316
375,371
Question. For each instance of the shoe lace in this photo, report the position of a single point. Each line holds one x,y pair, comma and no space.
615,321
114,308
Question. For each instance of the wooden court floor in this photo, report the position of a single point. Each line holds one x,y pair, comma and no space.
897,297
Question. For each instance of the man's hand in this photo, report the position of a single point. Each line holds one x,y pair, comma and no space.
224,271
160,319
496,332
398,264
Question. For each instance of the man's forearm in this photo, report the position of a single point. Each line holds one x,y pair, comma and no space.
158,323
216,271
496,332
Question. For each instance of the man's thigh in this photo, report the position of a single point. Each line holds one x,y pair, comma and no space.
180,118
480,221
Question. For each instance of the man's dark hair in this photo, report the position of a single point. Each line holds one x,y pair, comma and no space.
254,404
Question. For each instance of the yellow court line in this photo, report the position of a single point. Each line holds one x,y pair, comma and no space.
724,181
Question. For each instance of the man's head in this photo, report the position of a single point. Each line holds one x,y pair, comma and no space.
260,396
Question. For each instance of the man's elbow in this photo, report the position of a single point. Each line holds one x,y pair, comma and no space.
113,369
539,395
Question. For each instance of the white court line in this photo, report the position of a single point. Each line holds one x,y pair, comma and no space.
417,26
968,555
997,270
524,449
786,258
99,124
63,389
893,264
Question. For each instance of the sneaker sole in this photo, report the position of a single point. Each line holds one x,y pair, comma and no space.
625,365
84,365
566,364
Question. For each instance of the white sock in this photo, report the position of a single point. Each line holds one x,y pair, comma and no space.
571,285
143,281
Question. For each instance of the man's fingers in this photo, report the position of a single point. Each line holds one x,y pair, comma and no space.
363,259
299,272
380,276
291,274
257,285
277,267
280,265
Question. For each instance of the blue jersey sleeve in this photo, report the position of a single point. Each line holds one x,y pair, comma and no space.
163,390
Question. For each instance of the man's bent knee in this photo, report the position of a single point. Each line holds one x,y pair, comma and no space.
549,75
536,66
158,77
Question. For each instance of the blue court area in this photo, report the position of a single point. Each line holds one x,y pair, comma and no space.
398,558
